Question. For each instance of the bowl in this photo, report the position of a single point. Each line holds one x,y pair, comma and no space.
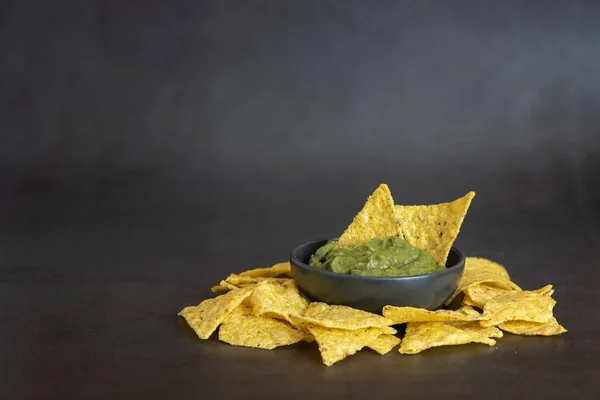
369,293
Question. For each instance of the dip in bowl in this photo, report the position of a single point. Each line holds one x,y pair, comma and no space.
371,293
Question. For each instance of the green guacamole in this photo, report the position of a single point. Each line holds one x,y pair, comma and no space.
378,257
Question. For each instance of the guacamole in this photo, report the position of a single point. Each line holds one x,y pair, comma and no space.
378,257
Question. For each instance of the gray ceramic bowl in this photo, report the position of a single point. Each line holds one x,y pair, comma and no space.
372,293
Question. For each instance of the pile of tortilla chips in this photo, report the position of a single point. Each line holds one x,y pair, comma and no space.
264,309
504,307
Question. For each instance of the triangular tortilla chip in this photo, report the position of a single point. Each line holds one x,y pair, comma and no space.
402,315
424,335
241,328
489,331
481,293
384,343
518,306
434,228
342,317
337,344
283,268
206,316
480,270
376,219
549,328
280,300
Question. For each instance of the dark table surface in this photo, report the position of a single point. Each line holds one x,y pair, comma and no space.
149,149
89,311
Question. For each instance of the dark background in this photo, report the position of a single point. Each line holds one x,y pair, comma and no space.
148,149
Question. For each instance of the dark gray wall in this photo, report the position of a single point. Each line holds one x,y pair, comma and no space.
238,115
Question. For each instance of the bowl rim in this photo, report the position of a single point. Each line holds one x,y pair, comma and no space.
294,261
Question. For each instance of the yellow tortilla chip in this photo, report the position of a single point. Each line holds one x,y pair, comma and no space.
546,290
489,331
239,280
275,299
402,315
483,264
384,343
206,316
376,219
283,268
522,306
241,328
549,328
222,287
424,335
466,309
434,228
481,270
467,301
337,344
343,317
481,293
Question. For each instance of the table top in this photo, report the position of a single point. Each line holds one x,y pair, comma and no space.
90,312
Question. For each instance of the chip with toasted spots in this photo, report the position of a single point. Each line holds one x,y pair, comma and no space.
549,328
206,316
434,228
546,290
239,280
337,344
222,287
518,305
384,343
467,309
376,219
343,317
283,268
489,331
467,301
480,270
425,335
481,293
402,315
276,299
242,328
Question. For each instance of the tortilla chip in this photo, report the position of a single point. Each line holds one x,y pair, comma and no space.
241,328
546,290
337,344
376,219
549,328
384,343
481,293
522,306
481,270
434,228
466,309
238,280
206,316
276,299
483,264
489,331
283,268
467,301
402,315
424,335
343,317
222,287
